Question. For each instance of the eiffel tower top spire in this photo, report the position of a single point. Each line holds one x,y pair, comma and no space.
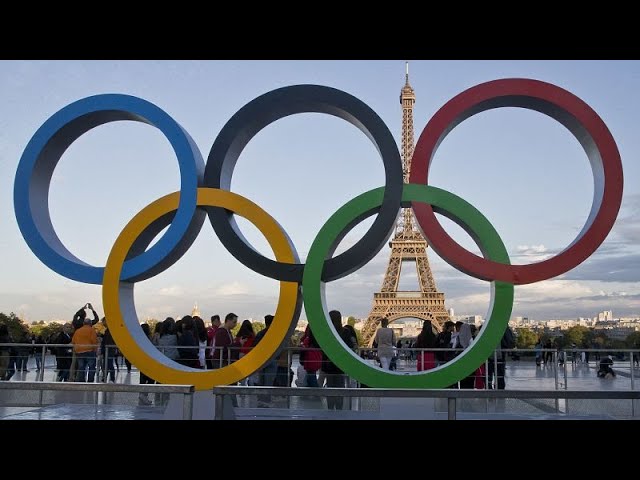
407,86
405,227
407,100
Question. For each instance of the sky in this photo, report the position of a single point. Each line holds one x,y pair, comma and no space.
525,172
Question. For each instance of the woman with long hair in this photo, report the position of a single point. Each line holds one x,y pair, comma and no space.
426,342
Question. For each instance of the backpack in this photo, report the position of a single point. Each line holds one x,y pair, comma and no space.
508,339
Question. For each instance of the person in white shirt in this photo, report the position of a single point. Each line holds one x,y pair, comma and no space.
384,342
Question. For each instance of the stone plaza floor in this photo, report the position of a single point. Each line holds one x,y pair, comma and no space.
521,375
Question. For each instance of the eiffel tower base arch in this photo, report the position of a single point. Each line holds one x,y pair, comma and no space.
397,305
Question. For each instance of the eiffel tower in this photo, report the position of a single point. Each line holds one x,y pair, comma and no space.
408,244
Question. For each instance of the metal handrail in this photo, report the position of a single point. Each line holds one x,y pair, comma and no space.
451,394
186,390
567,349
426,393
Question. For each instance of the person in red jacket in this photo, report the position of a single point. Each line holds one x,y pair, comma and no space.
243,343
211,334
310,358
223,340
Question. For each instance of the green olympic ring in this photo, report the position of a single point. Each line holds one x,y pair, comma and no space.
327,240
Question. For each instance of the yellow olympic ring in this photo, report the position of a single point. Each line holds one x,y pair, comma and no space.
140,351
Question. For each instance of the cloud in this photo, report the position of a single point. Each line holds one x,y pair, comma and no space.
159,312
234,288
613,296
552,289
530,250
471,302
571,299
59,306
53,299
173,291
531,253
620,268
612,247
627,227
539,300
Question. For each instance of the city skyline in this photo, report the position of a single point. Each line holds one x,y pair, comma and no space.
522,170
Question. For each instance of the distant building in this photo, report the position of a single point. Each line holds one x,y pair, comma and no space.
585,322
471,319
606,325
605,316
195,312
619,333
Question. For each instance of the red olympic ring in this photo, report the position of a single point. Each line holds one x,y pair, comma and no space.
579,119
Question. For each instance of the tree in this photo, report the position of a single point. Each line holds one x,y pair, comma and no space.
560,342
633,340
257,326
545,337
351,321
600,339
51,331
17,327
616,344
527,338
577,335
46,332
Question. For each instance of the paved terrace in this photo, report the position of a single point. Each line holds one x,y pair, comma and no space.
521,375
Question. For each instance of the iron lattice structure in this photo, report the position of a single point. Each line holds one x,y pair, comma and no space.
408,244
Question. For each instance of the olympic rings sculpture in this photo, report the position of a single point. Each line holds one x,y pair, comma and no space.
204,191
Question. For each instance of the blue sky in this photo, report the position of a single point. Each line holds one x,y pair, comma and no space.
525,172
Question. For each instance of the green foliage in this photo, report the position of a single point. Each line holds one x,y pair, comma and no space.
544,337
17,328
633,340
560,342
351,321
579,335
46,331
527,338
257,326
600,339
617,344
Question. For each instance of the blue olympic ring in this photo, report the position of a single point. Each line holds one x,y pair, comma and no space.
46,147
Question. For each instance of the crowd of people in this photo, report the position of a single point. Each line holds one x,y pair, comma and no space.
83,355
